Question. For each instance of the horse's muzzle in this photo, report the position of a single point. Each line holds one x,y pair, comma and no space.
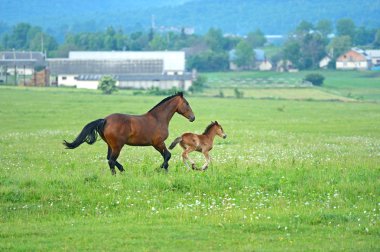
225,136
192,118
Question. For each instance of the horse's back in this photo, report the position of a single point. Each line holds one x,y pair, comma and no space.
135,130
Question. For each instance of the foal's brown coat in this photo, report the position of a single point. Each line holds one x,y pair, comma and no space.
149,129
201,143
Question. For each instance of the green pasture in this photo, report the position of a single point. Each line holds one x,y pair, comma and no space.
338,85
292,175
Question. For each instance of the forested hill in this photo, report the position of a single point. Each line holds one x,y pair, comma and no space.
232,16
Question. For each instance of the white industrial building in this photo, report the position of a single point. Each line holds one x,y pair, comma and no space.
130,69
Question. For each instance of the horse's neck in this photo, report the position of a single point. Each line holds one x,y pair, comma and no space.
164,112
211,133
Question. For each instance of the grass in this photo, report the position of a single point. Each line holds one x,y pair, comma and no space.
338,85
292,175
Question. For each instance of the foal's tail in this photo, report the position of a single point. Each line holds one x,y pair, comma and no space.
89,134
175,142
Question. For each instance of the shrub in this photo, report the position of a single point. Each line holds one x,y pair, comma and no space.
199,84
238,94
159,91
107,84
315,79
221,94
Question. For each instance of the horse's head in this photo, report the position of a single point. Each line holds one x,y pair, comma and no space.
183,108
219,130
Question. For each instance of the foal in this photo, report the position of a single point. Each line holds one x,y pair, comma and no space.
201,143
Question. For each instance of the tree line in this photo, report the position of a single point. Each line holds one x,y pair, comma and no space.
304,47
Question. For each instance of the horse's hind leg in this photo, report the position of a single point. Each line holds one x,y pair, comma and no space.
117,164
112,160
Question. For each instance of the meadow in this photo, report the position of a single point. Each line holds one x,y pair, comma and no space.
292,175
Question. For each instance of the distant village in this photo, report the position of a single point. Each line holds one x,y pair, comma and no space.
142,69
171,57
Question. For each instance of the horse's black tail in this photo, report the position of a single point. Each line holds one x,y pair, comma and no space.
174,143
89,134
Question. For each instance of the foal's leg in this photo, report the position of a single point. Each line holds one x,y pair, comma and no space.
161,148
185,156
118,165
207,157
184,159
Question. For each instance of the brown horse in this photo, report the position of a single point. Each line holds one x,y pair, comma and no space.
201,143
149,129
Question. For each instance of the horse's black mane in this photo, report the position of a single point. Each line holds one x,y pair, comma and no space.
166,99
209,127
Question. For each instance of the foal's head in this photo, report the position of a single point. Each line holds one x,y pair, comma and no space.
218,129
183,108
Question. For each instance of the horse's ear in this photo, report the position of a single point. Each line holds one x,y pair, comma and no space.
216,122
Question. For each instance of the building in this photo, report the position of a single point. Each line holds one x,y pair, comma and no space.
20,67
375,57
354,59
163,69
265,66
285,66
324,62
24,63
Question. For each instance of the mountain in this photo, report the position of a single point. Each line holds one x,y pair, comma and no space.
232,16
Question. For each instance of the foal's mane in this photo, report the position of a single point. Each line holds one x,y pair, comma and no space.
209,127
166,99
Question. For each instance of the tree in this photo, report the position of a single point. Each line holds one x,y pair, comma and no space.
18,38
376,42
107,84
312,50
199,84
245,55
364,36
324,27
42,40
292,51
304,28
256,38
208,61
339,45
215,40
158,43
345,27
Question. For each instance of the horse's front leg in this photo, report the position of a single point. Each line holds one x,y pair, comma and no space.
208,159
161,148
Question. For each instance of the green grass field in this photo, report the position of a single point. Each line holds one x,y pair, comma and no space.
292,175
338,85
